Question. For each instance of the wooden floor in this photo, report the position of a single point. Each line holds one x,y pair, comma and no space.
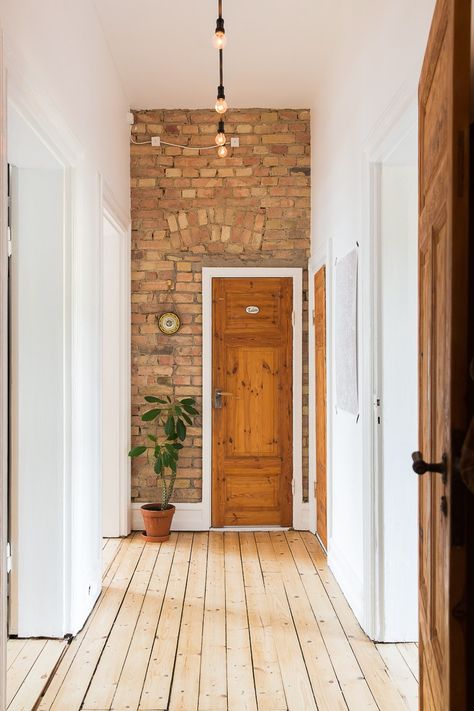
30,664
226,621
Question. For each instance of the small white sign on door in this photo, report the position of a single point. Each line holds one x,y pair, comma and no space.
252,309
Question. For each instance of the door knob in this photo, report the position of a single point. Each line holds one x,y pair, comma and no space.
218,395
421,467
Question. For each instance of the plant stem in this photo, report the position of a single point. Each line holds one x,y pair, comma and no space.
164,494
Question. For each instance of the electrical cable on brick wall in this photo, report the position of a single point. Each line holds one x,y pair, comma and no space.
174,145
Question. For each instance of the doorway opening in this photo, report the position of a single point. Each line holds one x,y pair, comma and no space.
38,385
321,405
298,509
396,407
115,378
391,536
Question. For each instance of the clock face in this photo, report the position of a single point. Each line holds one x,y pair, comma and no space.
169,323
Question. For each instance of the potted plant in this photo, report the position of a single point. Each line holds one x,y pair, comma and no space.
170,418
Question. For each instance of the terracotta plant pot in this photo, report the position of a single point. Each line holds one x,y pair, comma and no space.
157,522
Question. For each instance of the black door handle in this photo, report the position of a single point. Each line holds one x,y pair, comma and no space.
421,467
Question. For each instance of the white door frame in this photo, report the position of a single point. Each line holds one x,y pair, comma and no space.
300,509
3,378
112,214
66,151
385,137
13,85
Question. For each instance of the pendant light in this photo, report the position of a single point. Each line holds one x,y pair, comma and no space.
219,41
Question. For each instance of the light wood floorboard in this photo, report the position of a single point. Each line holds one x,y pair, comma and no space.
31,663
215,622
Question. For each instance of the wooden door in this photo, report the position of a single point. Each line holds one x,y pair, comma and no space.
320,367
253,416
443,362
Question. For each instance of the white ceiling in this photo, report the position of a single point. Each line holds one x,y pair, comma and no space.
164,54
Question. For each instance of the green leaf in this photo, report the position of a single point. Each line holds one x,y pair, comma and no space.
152,398
186,418
188,401
136,451
158,467
169,426
190,409
177,445
152,437
181,429
150,415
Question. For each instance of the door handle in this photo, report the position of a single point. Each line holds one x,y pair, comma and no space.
421,467
218,395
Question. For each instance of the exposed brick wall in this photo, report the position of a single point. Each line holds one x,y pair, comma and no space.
192,210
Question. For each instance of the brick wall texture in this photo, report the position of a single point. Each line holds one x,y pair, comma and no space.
191,210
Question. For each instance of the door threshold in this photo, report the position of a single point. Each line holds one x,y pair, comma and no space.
250,528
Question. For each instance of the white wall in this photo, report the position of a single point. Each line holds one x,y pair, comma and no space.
399,400
61,76
378,49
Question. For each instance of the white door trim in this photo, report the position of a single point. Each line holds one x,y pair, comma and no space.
46,123
385,137
3,378
300,509
123,482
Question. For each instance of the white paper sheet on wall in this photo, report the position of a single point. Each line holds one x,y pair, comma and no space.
345,345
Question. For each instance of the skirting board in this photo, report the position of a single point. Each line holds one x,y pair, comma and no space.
347,579
193,517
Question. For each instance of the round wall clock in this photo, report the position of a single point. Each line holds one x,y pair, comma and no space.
169,323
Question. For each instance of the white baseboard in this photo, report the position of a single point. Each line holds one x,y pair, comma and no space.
301,517
194,517
348,580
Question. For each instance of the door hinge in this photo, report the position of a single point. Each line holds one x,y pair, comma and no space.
377,409
314,317
315,489
9,558
293,318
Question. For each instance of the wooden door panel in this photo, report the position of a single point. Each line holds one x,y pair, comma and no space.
252,431
320,364
236,317
252,417
443,377
434,119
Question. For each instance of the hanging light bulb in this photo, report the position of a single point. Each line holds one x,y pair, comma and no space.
222,151
219,39
221,137
221,106
221,103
